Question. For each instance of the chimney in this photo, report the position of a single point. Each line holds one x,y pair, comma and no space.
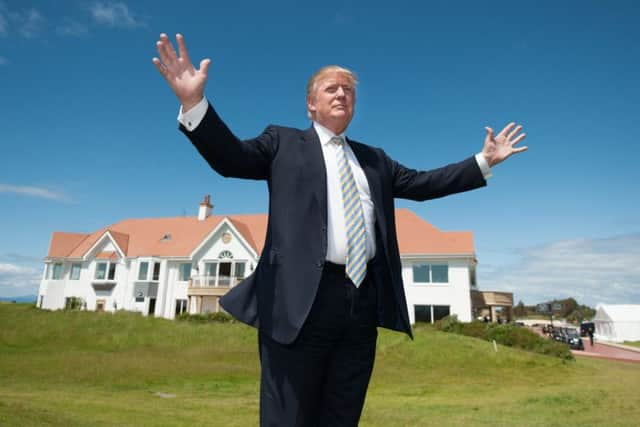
205,208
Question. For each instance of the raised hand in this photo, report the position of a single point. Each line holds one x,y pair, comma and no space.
500,147
183,79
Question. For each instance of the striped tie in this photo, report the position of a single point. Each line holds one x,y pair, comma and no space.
356,265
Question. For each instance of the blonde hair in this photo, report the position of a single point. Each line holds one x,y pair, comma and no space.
312,84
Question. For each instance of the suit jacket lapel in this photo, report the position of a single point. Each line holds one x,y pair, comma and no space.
317,168
366,161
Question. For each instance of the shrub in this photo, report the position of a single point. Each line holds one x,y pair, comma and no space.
74,303
220,317
508,335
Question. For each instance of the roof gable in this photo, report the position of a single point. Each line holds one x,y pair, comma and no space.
244,237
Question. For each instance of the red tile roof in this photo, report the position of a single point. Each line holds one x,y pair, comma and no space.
180,236
417,237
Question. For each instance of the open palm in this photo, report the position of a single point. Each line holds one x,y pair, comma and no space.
183,78
501,146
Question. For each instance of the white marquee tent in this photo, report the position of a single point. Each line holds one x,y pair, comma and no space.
617,322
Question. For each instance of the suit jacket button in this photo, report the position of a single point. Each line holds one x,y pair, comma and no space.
319,264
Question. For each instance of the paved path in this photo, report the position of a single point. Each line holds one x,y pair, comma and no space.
604,351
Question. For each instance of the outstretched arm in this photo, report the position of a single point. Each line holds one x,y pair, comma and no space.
183,78
500,147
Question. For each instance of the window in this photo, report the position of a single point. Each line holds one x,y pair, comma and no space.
430,313
421,273
156,271
430,273
239,273
143,270
184,273
105,270
440,273
57,271
211,269
440,312
224,273
422,313
101,271
472,277
181,306
75,271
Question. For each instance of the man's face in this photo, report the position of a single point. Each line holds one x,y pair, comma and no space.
333,101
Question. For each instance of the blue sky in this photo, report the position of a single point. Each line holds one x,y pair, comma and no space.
89,135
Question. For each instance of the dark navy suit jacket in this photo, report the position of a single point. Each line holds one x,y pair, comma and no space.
278,295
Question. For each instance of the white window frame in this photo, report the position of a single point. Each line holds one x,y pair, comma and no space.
146,273
180,278
74,264
61,271
106,275
216,276
151,262
430,266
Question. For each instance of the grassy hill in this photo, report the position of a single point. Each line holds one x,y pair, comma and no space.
99,369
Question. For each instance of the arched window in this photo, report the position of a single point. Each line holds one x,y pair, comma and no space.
225,255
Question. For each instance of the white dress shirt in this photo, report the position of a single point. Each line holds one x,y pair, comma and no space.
336,229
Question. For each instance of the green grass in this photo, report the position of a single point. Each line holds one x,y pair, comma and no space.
632,343
99,369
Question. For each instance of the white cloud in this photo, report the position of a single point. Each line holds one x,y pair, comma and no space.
72,28
10,268
590,270
114,14
20,279
34,192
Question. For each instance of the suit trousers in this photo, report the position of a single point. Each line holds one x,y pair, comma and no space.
321,378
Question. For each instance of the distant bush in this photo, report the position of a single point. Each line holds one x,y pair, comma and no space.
219,317
508,335
74,303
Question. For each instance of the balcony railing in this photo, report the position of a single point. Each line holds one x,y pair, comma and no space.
213,281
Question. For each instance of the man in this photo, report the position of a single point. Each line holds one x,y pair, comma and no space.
330,272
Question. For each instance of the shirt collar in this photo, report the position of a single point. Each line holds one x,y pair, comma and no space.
325,134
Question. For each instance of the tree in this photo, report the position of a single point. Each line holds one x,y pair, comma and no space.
520,310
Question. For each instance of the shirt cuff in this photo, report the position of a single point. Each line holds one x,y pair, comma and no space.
192,118
484,166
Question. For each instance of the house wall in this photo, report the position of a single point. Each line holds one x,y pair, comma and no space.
455,293
54,292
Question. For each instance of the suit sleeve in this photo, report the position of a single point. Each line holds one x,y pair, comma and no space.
227,154
424,185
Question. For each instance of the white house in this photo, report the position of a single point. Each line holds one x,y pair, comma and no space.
167,266
617,322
